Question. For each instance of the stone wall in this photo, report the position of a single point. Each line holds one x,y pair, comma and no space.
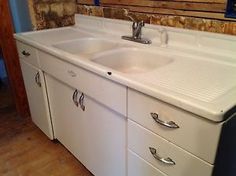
56,13
52,13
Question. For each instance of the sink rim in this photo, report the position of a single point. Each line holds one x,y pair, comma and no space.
80,47
83,38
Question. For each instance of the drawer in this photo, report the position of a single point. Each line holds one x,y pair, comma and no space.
175,161
139,167
27,53
194,134
106,92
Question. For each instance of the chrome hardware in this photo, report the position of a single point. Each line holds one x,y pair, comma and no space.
126,13
25,53
169,124
142,40
167,161
75,97
136,31
37,79
81,102
71,73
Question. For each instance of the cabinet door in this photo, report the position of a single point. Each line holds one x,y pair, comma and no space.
96,136
37,97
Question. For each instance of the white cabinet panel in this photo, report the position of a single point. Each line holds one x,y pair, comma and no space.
186,164
139,167
37,97
195,134
107,92
27,53
96,136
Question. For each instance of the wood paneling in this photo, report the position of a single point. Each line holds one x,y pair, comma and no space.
85,2
173,20
210,9
11,59
189,6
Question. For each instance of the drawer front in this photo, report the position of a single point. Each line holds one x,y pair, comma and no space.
27,53
175,161
195,134
108,93
139,167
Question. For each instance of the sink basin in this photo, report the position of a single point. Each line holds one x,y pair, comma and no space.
86,46
131,60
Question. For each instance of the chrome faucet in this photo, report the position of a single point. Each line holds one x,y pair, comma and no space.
136,32
137,29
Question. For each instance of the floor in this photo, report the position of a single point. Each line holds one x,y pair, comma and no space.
26,151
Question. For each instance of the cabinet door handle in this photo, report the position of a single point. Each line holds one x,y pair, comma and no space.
169,124
25,53
167,161
75,97
81,102
37,79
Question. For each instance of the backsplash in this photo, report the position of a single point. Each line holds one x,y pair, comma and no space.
202,15
52,13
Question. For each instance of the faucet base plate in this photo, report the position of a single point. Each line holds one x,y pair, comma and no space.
138,40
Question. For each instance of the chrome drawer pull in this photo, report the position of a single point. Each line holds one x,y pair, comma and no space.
169,124
75,97
167,161
81,102
25,53
37,79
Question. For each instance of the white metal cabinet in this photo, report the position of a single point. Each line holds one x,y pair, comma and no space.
139,167
107,92
37,97
194,134
96,136
167,157
28,53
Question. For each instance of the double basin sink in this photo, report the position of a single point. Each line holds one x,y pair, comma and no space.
117,56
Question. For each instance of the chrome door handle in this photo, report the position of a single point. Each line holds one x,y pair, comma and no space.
75,97
167,161
25,53
37,79
169,124
81,102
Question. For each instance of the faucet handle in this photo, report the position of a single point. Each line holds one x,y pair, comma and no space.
141,23
138,23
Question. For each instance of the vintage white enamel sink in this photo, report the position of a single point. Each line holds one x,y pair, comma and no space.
132,60
86,45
